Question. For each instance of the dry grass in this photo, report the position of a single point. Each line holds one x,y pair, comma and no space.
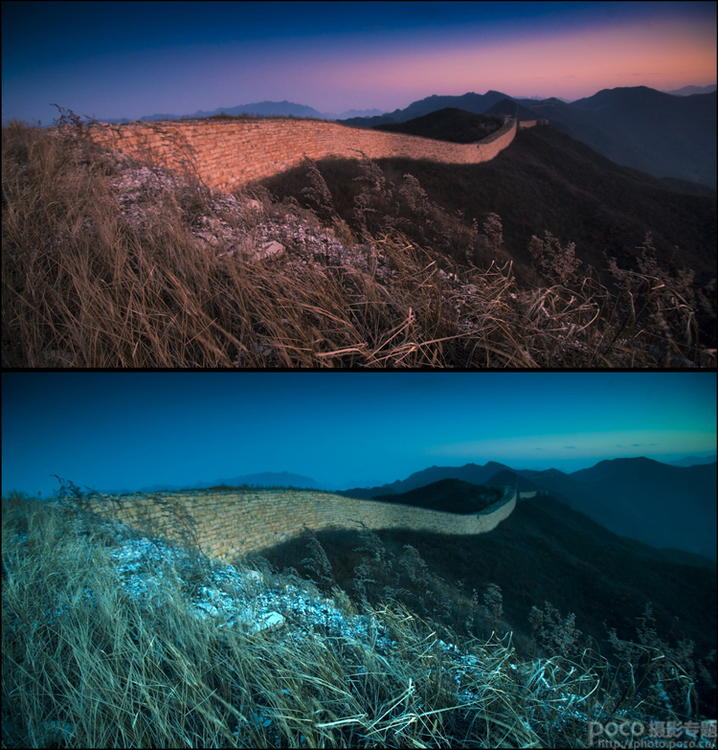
88,664
87,285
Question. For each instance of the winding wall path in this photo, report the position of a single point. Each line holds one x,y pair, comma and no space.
228,154
236,523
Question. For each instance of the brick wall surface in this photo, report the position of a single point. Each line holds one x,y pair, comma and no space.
229,154
231,524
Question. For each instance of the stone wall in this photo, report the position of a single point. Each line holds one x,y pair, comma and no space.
523,124
228,154
231,524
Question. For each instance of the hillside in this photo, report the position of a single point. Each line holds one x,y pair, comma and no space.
666,507
450,124
257,646
350,263
661,505
544,552
447,496
661,134
547,182
470,473
649,130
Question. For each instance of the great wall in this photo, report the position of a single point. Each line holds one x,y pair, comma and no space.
233,524
227,155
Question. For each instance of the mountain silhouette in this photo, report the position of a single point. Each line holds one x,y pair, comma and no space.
446,495
476,103
664,135
267,108
449,124
664,506
661,505
470,473
639,127
693,461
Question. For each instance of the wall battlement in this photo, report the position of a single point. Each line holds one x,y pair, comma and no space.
233,524
230,154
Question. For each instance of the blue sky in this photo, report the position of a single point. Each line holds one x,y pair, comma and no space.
112,431
126,60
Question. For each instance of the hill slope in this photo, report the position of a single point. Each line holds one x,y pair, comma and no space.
449,124
649,130
543,552
666,507
446,495
659,133
546,182
661,505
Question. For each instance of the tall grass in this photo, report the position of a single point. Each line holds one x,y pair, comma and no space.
111,639
166,275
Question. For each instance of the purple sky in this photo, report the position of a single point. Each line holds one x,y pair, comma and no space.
130,59
114,431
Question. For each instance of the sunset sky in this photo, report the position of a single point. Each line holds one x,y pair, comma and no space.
113,431
125,60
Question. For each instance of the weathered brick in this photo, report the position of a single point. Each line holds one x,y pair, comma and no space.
254,150
237,523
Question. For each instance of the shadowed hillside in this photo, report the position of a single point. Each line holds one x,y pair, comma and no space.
544,552
545,182
446,495
450,124
666,506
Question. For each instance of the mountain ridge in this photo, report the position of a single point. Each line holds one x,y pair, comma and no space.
629,125
632,497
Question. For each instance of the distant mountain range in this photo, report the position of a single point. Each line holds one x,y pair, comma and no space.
283,109
660,505
691,461
265,479
631,126
690,90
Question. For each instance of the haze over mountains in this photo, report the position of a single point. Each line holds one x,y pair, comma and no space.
285,109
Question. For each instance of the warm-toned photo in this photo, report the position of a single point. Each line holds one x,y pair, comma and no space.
359,185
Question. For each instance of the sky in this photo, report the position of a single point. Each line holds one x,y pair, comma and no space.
124,431
113,60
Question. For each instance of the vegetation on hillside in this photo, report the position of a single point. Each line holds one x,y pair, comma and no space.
376,274
91,661
452,125
448,496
